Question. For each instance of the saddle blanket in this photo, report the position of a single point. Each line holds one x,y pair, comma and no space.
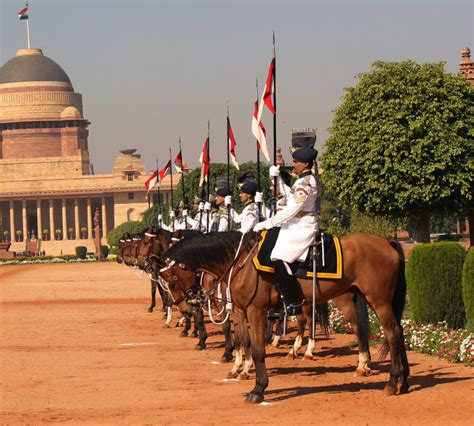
332,268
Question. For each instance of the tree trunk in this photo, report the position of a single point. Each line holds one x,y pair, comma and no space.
420,228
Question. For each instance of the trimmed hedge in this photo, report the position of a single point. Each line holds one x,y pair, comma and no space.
434,275
468,288
81,252
132,227
105,251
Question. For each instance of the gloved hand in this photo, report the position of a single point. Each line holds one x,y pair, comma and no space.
274,171
172,213
228,200
207,206
160,217
201,206
185,212
266,224
259,197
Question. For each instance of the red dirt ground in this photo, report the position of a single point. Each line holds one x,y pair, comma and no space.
78,346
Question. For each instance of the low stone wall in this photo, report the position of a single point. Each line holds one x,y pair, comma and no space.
57,248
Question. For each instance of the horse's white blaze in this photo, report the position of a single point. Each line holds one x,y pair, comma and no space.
310,348
296,346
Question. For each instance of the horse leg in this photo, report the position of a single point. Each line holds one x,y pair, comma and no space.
229,343
239,337
354,310
187,325
195,332
202,330
256,319
301,323
278,333
406,367
153,293
245,345
393,335
308,319
269,331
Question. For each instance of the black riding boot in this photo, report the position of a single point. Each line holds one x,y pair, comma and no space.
290,289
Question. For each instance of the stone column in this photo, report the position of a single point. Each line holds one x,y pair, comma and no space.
104,218
38,220
52,229
64,218
12,221
24,219
76,219
89,219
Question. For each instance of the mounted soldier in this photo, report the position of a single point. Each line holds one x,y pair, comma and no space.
249,216
222,198
297,220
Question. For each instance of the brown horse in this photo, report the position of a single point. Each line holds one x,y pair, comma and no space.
372,266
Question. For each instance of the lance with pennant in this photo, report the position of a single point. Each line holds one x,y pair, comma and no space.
228,166
160,217
259,204
172,196
208,172
182,182
274,116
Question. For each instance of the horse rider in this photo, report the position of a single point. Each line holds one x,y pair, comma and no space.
199,221
220,219
298,223
249,216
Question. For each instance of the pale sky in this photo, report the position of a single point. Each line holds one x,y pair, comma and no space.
152,71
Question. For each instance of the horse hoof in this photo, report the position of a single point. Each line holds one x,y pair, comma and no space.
183,334
404,388
291,355
150,310
243,376
390,390
226,358
231,375
308,357
253,398
200,347
194,334
360,372
166,326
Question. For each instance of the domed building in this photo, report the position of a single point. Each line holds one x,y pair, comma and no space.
48,191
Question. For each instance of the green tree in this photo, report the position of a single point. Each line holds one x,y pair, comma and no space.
191,188
132,227
401,144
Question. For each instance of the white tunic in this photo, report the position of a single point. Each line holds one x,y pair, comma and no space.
196,221
248,218
297,221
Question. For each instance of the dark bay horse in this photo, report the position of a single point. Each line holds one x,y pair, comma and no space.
372,266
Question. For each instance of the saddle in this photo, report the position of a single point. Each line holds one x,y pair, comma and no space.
328,260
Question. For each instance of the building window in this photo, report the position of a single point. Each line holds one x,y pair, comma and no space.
130,196
129,176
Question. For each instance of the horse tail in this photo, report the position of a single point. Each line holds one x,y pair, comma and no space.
399,298
322,312
363,323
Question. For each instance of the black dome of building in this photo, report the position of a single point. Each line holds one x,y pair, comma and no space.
32,65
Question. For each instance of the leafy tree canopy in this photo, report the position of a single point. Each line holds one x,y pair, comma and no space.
132,227
401,143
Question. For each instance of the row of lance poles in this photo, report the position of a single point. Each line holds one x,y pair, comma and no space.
207,154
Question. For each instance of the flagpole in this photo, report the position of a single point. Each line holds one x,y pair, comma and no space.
28,30
172,197
182,173
228,168
259,204
182,183
274,116
159,195
208,171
